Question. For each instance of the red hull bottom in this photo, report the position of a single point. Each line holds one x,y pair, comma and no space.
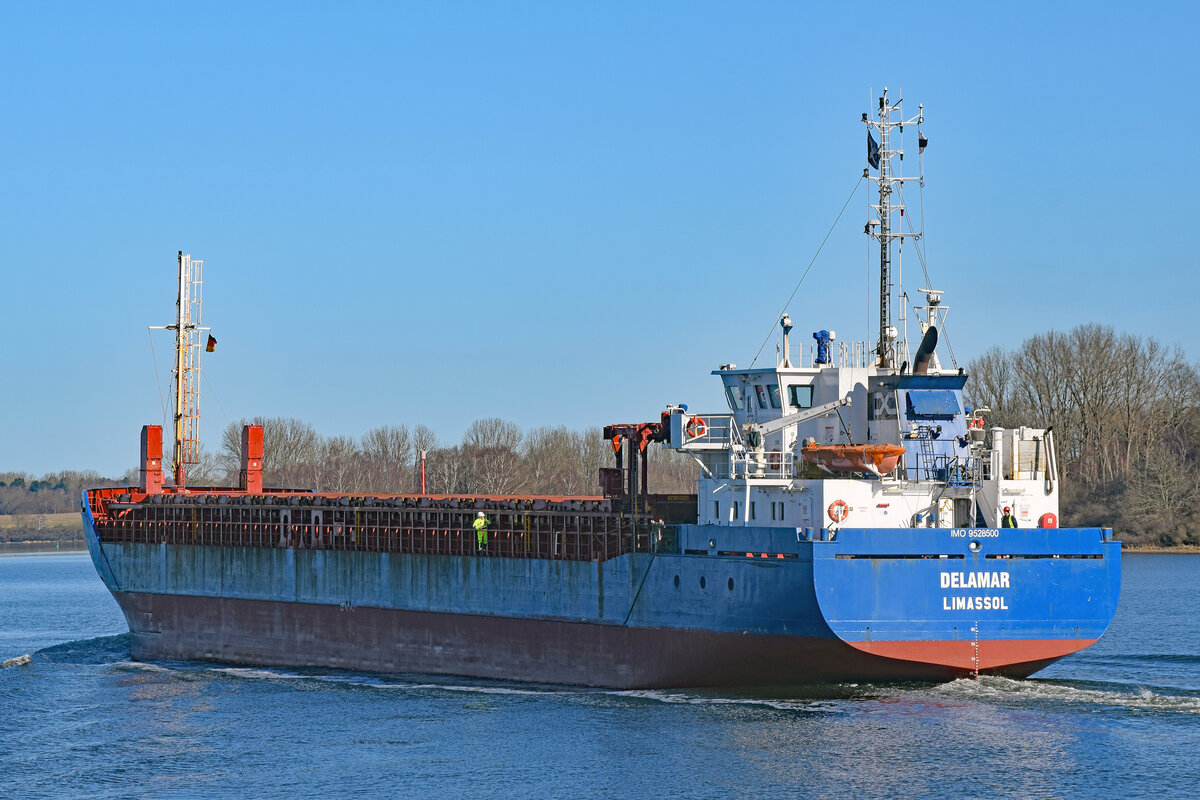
270,633
986,656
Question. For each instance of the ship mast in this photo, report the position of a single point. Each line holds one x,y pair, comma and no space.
187,365
879,156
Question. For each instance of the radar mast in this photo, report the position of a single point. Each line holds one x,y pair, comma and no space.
889,118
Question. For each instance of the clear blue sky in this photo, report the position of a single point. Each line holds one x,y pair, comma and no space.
555,213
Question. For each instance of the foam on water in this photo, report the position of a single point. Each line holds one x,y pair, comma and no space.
254,673
1041,692
16,661
142,666
685,698
374,681
461,688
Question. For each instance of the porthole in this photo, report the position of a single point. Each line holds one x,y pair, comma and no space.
701,581
676,581
731,584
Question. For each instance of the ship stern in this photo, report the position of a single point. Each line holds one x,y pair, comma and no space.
976,601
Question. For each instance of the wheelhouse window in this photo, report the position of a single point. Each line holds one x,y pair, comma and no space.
800,396
773,393
762,396
737,398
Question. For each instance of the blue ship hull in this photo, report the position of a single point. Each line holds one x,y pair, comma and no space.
734,606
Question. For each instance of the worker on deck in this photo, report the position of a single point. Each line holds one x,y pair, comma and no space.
1008,520
480,524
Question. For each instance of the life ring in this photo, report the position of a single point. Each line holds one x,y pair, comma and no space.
696,427
775,459
838,510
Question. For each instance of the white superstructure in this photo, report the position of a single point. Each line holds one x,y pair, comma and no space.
954,472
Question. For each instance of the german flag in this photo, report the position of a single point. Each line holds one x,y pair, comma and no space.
212,344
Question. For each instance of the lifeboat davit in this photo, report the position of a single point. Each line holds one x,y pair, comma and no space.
878,459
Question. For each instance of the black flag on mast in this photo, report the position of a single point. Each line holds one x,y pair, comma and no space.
872,151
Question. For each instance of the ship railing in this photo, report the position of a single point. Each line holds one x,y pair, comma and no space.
764,464
721,432
573,535
716,432
959,472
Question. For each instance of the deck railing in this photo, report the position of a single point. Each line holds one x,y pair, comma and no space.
574,529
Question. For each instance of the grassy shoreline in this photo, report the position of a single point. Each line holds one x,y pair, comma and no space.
42,548
1149,548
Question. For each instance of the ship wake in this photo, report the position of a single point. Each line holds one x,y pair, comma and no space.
1099,697
97,650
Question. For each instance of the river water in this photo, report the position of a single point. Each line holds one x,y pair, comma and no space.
78,718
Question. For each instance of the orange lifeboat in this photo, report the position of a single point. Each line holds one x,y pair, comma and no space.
878,459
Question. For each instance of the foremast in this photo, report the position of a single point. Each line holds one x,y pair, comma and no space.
186,389
889,117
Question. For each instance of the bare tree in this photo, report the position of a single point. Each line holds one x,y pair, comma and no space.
447,471
1125,416
492,448
339,466
1166,484
388,453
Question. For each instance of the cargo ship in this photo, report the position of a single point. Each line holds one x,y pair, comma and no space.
853,521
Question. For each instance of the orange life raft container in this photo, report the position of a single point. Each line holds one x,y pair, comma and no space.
878,459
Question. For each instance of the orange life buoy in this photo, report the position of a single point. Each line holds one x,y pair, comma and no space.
775,459
838,510
976,423
697,427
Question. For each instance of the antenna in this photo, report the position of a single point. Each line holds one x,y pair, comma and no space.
881,228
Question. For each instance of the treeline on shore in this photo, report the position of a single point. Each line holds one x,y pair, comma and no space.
46,509
494,456
1125,413
53,493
